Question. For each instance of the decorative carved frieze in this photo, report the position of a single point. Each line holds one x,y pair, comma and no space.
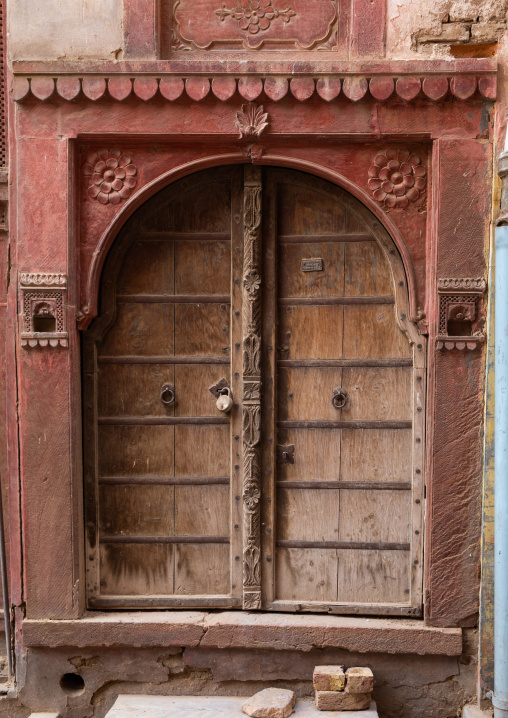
397,177
467,284
460,323
111,176
43,315
42,280
251,338
251,120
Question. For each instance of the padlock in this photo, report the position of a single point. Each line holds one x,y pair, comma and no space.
225,400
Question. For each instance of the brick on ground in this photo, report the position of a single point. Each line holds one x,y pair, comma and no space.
329,678
359,680
340,701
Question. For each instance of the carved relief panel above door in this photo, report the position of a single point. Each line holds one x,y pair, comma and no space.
256,25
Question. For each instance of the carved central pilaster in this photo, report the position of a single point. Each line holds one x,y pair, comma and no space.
251,336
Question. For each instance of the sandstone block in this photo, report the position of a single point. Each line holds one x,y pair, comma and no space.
450,33
270,703
340,701
359,680
488,31
329,678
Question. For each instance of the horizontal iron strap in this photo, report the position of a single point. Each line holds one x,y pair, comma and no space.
174,298
323,301
315,238
323,363
127,359
315,424
164,539
354,485
164,480
184,236
165,601
357,545
159,420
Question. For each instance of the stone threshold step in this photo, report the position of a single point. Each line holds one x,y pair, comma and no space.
132,706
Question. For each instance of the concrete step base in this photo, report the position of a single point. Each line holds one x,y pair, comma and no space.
213,707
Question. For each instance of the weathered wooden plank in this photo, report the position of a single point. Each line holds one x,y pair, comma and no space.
175,298
316,424
285,301
352,485
356,545
324,363
164,480
163,539
177,359
159,420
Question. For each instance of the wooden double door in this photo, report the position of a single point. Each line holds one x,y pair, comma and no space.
279,294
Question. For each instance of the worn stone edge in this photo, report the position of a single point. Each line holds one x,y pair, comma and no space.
228,630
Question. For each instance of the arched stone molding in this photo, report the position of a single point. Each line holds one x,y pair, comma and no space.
89,310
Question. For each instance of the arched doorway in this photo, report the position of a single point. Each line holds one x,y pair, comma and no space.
281,291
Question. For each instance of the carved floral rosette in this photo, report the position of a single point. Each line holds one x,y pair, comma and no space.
111,176
396,178
251,331
42,301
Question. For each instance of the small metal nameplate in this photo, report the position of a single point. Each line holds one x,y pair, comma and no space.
312,265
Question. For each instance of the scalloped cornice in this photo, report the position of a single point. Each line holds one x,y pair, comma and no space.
406,80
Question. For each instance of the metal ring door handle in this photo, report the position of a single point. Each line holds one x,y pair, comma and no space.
168,394
339,398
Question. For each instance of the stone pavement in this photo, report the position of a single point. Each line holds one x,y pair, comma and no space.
132,706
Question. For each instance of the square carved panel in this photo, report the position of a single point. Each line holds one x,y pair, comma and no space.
255,25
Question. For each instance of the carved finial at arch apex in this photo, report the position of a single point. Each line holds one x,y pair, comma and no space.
251,120
397,178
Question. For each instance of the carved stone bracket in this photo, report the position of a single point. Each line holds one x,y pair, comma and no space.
43,315
460,322
251,338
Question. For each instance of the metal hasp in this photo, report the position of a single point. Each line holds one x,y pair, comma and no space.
500,697
285,454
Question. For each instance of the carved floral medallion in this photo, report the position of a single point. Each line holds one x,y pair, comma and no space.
397,177
254,24
254,16
111,176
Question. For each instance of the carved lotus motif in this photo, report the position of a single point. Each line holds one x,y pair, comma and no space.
397,178
251,120
112,176
254,15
